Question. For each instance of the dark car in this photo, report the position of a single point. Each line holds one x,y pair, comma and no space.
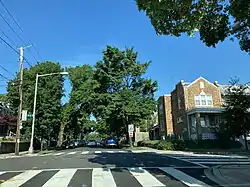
111,142
70,144
82,143
91,143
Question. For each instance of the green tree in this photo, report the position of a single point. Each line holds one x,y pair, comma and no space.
215,20
65,118
236,114
3,98
81,98
124,96
50,92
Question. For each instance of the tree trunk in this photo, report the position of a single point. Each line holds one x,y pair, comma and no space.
129,138
246,144
60,135
41,148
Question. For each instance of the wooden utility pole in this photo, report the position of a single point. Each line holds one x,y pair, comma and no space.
19,119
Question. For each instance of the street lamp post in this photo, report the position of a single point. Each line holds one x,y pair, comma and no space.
31,149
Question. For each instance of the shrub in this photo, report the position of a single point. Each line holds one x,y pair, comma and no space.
165,145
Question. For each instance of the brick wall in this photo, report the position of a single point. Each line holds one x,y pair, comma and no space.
179,109
168,114
209,88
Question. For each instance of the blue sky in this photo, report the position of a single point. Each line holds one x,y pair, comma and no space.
76,32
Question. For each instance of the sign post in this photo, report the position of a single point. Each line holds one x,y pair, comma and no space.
130,134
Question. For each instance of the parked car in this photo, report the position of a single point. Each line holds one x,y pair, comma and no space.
70,144
82,143
92,143
111,142
76,143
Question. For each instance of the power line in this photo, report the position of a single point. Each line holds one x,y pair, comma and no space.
1,75
6,36
16,34
7,70
14,50
15,21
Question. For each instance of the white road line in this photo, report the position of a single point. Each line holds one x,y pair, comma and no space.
122,151
85,152
186,161
144,177
110,151
21,178
102,177
58,154
71,153
210,156
221,163
1,173
219,160
61,178
184,178
98,152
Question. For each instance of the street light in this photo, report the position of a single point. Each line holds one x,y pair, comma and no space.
31,149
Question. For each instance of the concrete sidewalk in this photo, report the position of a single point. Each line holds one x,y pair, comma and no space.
12,155
230,176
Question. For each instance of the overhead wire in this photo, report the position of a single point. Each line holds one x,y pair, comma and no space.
17,35
15,21
14,50
6,36
1,75
7,70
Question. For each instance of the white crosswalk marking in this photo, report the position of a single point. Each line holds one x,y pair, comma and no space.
204,160
85,152
98,152
121,151
102,177
145,178
184,178
110,151
58,154
71,153
61,178
21,179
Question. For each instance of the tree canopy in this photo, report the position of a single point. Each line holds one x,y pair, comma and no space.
215,20
237,105
49,94
124,96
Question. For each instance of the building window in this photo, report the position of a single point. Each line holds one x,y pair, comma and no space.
203,100
197,100
202,85
179,103
209,100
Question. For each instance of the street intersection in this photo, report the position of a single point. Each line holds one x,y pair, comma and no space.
114,167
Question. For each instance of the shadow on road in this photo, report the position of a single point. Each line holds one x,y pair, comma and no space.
138,160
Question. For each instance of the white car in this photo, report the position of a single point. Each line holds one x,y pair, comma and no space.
91,143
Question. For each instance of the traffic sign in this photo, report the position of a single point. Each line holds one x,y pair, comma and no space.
131,134
24,115
131,128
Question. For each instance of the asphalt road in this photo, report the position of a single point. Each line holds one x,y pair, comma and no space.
101,167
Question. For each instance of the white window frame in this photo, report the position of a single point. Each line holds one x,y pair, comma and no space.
207,98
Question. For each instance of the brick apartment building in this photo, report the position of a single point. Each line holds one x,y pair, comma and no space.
192,110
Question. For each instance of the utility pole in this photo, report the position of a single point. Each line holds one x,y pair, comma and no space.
19,119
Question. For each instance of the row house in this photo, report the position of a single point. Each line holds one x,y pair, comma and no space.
192,110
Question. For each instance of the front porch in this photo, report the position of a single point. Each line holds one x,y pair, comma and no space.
203,123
